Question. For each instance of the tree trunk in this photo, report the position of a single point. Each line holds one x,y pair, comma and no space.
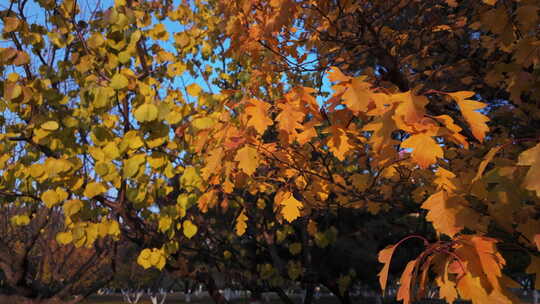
334,288
282,295
212,287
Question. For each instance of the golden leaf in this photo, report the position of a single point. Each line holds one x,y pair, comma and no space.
425,149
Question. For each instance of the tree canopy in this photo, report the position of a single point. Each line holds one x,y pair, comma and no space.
249,137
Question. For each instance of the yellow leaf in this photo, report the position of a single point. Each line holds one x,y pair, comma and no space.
71,207
146,112
93,189
144,258
64,238
189,229
133,164
248,159
20,220
203,123
531,157
241,224
425,149
194,89
36,170
119,81
96,40
291,207
50,125
164,223
476,120
101,96
50,198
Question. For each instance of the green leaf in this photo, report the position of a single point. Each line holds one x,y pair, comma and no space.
119,82
146,112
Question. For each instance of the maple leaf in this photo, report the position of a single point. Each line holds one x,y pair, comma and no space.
477,121
290,118
531,157
483,164
385,257
447,289
409,111
404,292
258,112
291,206
248,159
442,216
425,149
357,97
335,75
213,163
445,180
338,142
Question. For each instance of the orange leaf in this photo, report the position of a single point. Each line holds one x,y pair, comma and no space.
248,159
291,206
241,224
335,75
476,120
404,292
531,157
442,216
338,143
425,149
258,112
385,257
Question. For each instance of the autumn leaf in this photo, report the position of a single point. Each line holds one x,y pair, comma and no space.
258,115
189,228
477,121
531,157
290,206
248,159
290,118
385,257
404,291
441,215
425,149
338,142
241,224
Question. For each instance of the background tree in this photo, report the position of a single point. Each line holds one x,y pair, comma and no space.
35,268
